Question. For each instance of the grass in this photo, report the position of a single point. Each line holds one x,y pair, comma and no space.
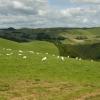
94,98
38,46
53,79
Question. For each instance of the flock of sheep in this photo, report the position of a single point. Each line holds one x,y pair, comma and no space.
20,53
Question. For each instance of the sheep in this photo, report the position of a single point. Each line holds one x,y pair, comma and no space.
19,54
24,57
80,59
62,58
20,51
91,60
53,55
58,57
46,53
44,58
67,56
31,51
76,58
9,49
3,48
37,53
9,54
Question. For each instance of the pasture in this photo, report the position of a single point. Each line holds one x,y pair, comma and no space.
24,75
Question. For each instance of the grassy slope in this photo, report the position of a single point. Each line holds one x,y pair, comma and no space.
90,33
53,79
84,48
38,46
83,31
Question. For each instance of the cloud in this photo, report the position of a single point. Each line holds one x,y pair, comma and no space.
21,12
39,13
87,1
21,6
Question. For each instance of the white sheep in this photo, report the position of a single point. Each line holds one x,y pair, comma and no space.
24,57
58,57
9,49
44,58
8,54
76,58
19,54
53,55
20,51
11,53
80,59
37,53
62,58
3,48
67,56
92,60
31,51
46,53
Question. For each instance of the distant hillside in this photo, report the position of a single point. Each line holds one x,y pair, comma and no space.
73,42
25,34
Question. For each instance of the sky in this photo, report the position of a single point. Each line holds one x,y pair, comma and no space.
49,13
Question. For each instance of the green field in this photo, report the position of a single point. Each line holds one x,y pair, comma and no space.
52,79
74,42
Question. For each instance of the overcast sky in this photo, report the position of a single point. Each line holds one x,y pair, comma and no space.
49,13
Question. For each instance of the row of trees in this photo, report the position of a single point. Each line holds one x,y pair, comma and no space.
26,36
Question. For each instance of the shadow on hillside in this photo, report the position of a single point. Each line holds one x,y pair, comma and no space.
84,51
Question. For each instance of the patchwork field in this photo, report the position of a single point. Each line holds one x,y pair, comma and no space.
24,76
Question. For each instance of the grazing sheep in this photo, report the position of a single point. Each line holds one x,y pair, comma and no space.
67,56
37,53
53,55
46,53
76,58
58,57
31,51
44,58
9,49
8,54
80,59
62,58
91,60
20,51
24,57
3,48
12,53
19,54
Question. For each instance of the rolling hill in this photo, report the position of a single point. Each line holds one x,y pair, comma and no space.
53,79
38,46
73,42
